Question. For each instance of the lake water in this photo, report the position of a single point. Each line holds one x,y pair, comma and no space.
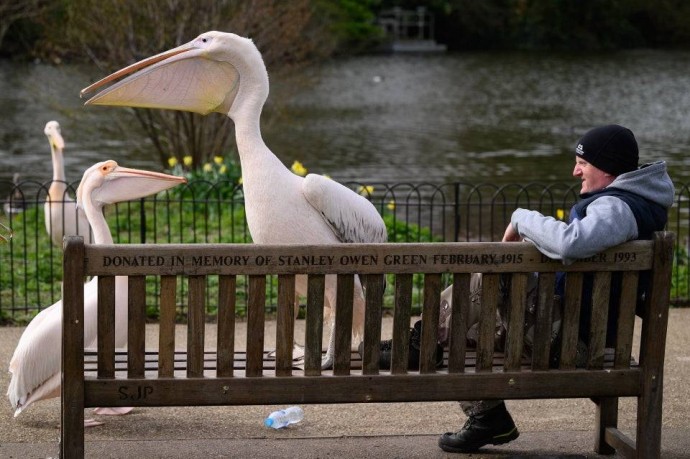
472,117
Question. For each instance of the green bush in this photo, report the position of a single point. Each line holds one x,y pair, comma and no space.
681,276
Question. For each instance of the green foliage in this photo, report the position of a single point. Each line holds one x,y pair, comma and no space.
221,174
563,24
210,209
354,24
402,231
31,267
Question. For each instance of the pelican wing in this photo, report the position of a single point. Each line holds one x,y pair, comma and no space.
35,364
352,217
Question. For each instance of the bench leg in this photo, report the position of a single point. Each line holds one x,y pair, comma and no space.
606,416
72,431
649,420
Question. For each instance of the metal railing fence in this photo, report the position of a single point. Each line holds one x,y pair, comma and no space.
205,212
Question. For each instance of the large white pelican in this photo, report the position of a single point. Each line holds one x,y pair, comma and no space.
222,72
35,364
61,214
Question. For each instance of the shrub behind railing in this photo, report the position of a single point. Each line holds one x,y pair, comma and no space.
213,212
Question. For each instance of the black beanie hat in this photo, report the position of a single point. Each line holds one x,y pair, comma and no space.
611,148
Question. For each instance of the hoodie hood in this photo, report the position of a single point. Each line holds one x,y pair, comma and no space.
650,181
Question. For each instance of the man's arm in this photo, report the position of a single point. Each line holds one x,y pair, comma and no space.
609,222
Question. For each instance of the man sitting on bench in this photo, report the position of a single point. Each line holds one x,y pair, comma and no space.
619,202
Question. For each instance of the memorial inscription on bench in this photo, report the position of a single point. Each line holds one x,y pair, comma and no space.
363,258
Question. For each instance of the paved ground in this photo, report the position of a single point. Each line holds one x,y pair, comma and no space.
549,428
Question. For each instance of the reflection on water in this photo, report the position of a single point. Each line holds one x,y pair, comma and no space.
499,117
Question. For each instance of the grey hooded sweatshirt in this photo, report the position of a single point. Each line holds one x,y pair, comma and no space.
609,220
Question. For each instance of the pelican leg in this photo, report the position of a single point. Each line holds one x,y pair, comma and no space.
297,352
327,361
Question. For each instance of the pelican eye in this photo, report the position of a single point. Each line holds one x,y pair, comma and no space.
204,40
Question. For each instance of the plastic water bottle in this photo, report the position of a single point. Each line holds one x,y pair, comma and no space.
282,418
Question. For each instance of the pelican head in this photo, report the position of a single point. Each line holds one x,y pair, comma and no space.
107,183
52,131
201,76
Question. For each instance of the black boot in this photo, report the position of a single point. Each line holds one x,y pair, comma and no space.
494,426
385,351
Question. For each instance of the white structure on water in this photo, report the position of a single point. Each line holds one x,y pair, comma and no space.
409,30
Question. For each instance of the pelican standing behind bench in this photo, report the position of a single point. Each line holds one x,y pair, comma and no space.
230,376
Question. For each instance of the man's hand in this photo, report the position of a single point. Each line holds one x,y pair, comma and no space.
511,235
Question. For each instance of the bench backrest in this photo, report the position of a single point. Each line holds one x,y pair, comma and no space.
370,261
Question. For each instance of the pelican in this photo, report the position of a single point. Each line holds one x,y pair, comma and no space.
225,73
61,214
35,364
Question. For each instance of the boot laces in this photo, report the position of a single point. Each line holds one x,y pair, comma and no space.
468,423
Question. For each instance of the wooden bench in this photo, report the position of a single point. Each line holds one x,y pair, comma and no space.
227,376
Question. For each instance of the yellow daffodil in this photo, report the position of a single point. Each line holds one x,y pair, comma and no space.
208,167
218,160
223,169
365,190
391,204
299,169
172,162
187,160
560,214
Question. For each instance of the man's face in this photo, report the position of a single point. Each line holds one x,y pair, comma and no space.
593,179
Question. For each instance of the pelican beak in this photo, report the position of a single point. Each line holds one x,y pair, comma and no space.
57,141
125,184
184,78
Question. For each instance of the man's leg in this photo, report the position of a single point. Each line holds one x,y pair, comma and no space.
488,421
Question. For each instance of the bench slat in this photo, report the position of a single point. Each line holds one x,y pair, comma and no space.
363,388
430,313
343,323
439,257
570,325
374,288
285,324
543,327
626,319
458,322
256,306
314,332
106,326
227,286
166,319
487,321
516,321
600,311
401,323
269,362
136,338
196,315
